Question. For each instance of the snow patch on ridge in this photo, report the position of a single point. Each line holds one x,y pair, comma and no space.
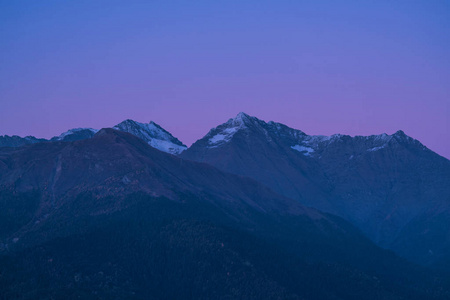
376,148
315,142
167,146
307,151
223,137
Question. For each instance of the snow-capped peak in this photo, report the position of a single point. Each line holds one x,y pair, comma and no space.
383,140
225,132
309,145
75,134
240,120
400,135
153,134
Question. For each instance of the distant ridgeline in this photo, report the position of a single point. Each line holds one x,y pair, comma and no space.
152,133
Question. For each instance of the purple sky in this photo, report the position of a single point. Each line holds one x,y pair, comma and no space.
324,67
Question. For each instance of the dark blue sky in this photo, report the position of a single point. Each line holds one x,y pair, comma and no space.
352,67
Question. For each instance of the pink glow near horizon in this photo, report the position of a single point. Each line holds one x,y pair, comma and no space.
322,68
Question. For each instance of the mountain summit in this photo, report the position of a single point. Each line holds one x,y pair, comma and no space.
154,135
75,134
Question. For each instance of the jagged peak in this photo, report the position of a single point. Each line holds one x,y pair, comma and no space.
131,121
242,116
128,121
401,136
387,137
223,133
241,120
400,133
82,128
150,126
30,137
153,134
79,129
72,132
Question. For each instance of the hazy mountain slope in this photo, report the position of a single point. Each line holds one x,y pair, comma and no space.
379,183
111,217
160,249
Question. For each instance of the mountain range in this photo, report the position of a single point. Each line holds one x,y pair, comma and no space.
391,187
253,210
152,133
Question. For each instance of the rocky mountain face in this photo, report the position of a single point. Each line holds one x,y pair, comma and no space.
111,218
17,141
391,187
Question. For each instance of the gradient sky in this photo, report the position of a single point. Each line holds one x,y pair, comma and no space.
352,67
